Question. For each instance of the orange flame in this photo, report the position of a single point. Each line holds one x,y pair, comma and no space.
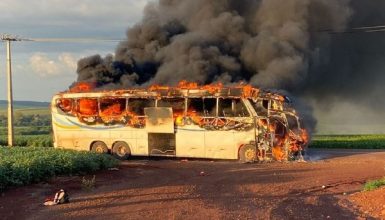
187,85
82,87
88,107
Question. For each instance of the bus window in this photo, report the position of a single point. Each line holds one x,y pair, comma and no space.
261,106
225,108
137,105
112,106
292,122
195,107
209,107
240,109
65,105
88,107
232,108
177,104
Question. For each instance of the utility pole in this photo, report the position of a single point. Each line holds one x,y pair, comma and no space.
8,38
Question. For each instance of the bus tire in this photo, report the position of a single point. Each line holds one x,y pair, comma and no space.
247,153
121,150
99,147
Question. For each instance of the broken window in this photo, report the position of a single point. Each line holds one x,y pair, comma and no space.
292,122
65,105
276,105
88,106
195,107
209,107
112,106
261,106
177,104
240,109
225,108
232,108
136,105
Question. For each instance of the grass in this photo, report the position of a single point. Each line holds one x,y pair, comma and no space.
20,166
374,184
348,141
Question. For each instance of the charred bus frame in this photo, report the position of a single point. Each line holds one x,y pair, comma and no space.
208,122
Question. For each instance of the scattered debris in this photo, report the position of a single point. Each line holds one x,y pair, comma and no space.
113,169
202,173
61,197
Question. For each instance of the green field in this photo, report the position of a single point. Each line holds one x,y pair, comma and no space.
349,141
27,111
21,165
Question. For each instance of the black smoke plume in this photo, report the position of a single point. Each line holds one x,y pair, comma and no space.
267,43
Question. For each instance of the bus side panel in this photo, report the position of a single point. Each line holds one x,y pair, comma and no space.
220,145
244,137
190,142
141,148
64,139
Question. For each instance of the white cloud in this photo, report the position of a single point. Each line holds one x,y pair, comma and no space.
44,66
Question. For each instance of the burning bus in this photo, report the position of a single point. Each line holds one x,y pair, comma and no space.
212,121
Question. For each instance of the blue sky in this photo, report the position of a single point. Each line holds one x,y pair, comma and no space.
42,69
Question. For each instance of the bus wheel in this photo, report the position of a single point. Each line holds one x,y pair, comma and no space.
99,147
121,150
247,153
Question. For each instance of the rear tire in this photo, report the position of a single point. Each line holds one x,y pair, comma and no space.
247,153
99,147
121,150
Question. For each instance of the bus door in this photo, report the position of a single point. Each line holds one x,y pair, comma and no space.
279,149
160,129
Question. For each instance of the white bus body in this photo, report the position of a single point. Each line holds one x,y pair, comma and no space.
188,124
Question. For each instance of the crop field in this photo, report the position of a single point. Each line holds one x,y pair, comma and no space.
21,165
27,111
349,141
29,140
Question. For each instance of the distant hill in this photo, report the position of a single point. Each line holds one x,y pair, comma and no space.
25,104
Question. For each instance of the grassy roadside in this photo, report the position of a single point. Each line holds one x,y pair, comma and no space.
374,184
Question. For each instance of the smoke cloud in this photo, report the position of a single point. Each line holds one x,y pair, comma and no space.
267,43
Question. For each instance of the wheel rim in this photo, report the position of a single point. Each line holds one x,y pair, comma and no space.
122,151
249,154
99,149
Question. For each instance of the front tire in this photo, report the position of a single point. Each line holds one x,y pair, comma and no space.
247,153
99,147
121,150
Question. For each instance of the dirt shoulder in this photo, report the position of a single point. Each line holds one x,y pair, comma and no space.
371,203
193,189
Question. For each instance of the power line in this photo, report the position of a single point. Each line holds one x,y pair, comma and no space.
352,30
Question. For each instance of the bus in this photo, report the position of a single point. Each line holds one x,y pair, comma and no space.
216,122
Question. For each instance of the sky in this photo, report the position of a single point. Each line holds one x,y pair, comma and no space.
41,69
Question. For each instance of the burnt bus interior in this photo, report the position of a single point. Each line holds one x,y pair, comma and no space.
113,110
